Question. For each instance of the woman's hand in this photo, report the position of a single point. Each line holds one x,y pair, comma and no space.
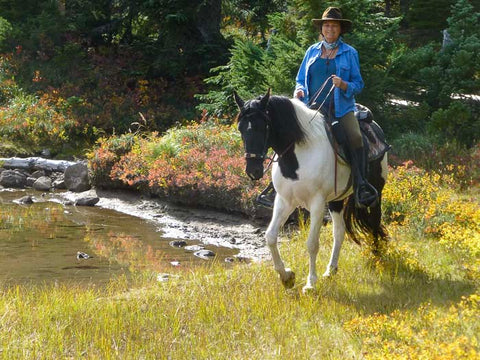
299,94
338,82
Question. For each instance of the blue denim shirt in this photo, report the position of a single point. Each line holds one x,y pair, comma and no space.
348,68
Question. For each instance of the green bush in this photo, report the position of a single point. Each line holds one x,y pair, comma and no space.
455,122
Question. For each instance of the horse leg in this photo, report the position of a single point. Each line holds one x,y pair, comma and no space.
336,212
316,220
281,212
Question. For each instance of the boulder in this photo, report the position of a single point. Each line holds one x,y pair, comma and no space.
76,178
87,201
43,183
13,179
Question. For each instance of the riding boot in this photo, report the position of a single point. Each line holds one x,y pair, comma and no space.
267,196
365,194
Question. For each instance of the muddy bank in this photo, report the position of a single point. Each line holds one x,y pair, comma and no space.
208,226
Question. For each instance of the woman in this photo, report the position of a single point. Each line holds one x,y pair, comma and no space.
331,61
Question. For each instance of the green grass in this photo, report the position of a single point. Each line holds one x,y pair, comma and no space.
370,309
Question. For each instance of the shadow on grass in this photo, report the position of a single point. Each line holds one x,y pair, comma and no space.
399,285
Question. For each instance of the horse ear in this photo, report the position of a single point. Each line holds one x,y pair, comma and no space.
238,100
265,99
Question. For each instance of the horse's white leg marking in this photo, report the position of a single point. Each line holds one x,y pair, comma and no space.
338,236
281,212
316,219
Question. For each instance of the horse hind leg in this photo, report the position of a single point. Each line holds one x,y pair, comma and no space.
281,212
336,212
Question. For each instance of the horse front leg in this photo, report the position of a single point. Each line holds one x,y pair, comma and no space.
281,212
338,224
316,219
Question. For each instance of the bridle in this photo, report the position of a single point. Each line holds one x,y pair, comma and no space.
260,156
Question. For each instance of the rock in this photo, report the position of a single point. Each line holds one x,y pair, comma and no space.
13,179
43,183
76,178
178,243
25,200
38,173
204,254
194,248
87,201
59,182
30,181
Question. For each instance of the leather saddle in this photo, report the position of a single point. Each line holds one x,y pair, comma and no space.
373,135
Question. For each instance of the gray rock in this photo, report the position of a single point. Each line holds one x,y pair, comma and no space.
76,178
178,243
25,200
59,183
87,201
13,179
38,173
204,254
43,183
30,181
193,247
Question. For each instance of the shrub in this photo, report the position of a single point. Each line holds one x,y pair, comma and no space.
199,165
36,123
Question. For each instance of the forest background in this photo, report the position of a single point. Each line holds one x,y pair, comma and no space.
144,88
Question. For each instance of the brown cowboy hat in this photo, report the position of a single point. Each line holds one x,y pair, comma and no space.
335,14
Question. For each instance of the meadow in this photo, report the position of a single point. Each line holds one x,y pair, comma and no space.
419,300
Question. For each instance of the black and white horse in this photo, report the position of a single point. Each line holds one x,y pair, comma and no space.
308,175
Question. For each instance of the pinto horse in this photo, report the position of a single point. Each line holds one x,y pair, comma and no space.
306,174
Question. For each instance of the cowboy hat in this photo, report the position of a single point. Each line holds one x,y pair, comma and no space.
333,14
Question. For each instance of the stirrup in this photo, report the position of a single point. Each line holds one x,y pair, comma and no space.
368,198
267,197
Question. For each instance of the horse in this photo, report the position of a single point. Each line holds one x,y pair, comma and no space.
307,174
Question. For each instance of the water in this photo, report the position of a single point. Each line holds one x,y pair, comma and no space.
39,243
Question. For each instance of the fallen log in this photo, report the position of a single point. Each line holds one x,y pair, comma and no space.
36,163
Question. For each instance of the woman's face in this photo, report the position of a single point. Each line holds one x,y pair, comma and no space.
331,30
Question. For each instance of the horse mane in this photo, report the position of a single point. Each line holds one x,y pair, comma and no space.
281,111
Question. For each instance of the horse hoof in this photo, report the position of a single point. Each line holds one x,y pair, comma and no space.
330,272
289,280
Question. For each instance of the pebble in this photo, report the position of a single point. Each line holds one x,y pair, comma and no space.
194,248
204,254
178,243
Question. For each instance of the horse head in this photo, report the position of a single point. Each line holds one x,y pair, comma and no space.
254,125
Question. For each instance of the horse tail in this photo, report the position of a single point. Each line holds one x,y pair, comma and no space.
367,221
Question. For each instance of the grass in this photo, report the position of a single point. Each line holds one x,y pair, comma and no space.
416,302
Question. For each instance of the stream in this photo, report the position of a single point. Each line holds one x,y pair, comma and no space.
40,242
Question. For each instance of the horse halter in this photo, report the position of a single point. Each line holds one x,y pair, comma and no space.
260,156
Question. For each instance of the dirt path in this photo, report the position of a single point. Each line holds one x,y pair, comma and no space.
207,226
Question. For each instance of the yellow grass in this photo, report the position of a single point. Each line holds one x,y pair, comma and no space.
420,300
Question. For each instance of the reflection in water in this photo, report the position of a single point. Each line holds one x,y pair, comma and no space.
39,243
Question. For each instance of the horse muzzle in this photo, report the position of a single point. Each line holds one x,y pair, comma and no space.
254,169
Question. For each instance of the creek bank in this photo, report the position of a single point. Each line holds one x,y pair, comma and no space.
68,183
179,222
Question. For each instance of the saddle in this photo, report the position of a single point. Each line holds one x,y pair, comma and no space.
373,135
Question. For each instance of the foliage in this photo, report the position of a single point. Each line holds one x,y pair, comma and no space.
445,78
254,67
5,30
426,203
36,123
243,73
200,164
